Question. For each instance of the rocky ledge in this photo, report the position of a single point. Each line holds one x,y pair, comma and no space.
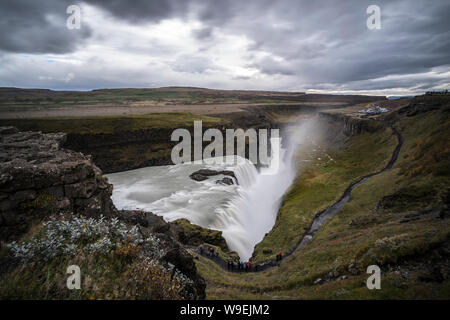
38,178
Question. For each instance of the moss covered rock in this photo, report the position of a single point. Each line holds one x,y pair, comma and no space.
191,234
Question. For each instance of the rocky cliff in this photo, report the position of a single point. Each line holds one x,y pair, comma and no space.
38,178
124,150
350,125
64,194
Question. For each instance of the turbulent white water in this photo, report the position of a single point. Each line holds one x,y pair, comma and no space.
244,213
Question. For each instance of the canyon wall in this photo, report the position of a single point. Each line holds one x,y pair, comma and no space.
350,125
125,150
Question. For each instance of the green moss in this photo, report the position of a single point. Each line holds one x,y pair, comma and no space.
194,235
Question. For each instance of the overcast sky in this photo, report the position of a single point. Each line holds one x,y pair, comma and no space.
289,45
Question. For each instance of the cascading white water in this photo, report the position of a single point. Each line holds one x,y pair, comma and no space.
252,212
244,213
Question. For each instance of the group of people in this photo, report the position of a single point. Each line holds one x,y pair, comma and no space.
231,265
241,266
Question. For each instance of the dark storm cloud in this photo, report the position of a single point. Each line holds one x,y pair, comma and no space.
38,27
319,40
142,10
323,41
317,44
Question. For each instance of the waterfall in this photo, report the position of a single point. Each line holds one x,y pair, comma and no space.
252,212
244,212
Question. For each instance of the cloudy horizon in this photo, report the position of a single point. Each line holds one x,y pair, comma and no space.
287,45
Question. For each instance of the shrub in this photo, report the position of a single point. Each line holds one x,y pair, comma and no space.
67,237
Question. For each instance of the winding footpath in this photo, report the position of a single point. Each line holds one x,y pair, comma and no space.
319,218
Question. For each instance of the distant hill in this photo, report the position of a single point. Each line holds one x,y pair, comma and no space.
17,97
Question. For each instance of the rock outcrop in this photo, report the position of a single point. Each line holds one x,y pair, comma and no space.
204,174
174,254
38,178
193,235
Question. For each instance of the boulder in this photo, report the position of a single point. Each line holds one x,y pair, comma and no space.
204,174
148,220
191,234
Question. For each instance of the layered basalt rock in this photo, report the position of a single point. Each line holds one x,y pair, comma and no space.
38,178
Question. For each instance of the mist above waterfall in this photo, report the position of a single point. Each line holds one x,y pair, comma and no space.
244,212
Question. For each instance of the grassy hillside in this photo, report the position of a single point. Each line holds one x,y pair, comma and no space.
320,184
397,220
